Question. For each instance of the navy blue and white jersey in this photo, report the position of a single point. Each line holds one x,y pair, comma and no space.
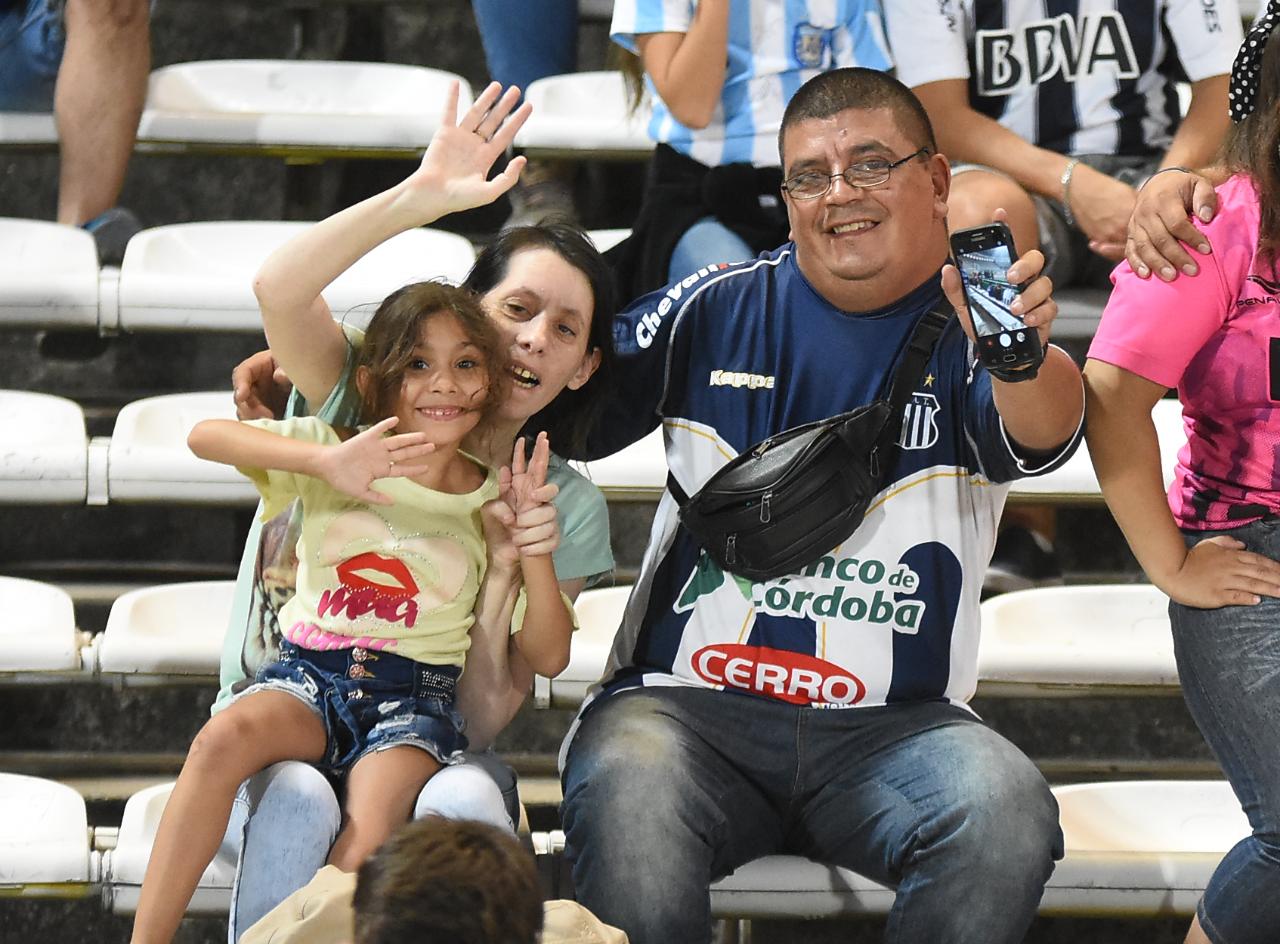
775,46
1073,76
734,354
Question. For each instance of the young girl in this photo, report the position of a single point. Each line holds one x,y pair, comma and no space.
1212,544
720,73
391,559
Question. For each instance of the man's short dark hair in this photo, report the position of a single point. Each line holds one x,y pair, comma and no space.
833,92
438,880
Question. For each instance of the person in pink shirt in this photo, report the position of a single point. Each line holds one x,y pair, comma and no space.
1211,544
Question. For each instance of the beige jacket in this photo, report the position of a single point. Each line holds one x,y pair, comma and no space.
320,913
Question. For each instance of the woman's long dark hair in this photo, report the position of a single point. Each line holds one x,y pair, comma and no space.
570,417
1252,147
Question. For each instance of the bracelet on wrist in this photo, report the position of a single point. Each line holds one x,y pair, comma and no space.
1180,169
1067,173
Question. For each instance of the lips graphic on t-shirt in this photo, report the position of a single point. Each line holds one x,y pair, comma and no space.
370,571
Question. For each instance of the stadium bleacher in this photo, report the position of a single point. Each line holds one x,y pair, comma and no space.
1140,848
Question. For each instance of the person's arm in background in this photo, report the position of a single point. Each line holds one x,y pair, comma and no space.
305,340
688,68
1100,204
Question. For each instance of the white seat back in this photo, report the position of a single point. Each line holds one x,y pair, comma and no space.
38,632
170,630
126,864
43,449
1086,636
48,274
148,458
599,616
44,833
586,112
265,102
200,275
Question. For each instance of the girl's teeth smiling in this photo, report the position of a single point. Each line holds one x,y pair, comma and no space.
525,377
440,412
857,227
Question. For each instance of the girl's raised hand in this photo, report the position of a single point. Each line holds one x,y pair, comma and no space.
454,171
525,490
352,467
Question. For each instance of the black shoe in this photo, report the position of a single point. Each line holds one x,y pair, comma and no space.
1022,559
111,232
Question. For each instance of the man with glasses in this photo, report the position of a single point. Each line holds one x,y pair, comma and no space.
822,713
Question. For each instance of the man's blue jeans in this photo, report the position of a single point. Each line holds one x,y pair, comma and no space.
667,789
31,43
522,43
1229,664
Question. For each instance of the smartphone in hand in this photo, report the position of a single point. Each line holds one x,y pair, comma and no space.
984,255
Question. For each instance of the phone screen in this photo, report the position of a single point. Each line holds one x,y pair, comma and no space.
988,290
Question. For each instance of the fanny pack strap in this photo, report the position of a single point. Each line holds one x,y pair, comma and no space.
915,357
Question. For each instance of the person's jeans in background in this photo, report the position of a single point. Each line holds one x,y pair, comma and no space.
523,43
706,242
1229,666
668,788
285,820
31,44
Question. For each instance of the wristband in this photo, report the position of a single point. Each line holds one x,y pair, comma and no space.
1065,180
1179,169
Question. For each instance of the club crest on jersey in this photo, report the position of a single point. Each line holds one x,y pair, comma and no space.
1036,52
919,422
812,46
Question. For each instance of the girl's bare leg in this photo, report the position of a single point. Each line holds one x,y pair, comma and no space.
381,791
251,734
1196,935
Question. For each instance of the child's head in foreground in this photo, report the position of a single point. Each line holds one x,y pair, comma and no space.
439,880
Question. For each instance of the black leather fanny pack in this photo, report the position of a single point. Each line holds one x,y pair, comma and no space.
791,498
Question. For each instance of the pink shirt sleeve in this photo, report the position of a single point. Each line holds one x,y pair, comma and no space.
1153,328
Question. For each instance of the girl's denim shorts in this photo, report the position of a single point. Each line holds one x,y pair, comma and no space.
370,701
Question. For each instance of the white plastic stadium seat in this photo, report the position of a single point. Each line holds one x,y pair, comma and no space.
124,866
304,104
785,886
1076,480
587,113
48,275
43,449
44,839
1145,847
606,239
1093,637
167,631
638,472
200,275
38,632
148,458
19,128
599,616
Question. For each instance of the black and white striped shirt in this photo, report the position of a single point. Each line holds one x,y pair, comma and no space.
1072,76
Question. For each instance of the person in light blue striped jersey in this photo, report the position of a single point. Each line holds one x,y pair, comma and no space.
718,74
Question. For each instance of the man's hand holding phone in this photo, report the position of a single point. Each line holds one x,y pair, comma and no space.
1005,306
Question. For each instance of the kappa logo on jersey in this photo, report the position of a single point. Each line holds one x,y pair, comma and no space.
789,676
738,378
812,46
649,323
1013,59
919,422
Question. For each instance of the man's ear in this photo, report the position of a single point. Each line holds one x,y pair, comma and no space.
940,174
590,363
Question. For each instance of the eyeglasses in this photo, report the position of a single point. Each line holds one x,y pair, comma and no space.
873,173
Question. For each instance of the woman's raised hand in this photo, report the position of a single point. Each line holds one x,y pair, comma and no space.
351,467
454,172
